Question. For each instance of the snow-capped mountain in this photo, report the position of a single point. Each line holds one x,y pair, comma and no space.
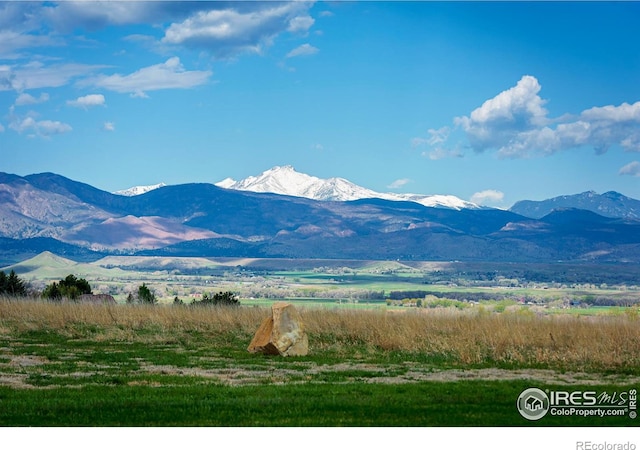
285,180
138,190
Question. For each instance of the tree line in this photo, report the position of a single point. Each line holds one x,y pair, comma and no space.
72,288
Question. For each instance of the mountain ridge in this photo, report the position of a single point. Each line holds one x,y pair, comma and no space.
285,180
50,212
609,204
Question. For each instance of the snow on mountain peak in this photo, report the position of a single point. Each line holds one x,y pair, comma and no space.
285,180
138,190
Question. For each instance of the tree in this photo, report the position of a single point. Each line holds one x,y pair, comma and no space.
219,299
70,287
3,283
145,295
12,285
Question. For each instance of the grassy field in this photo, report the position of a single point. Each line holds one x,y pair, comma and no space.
132,365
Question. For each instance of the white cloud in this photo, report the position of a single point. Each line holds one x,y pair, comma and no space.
300,24
228,32
442,153
109,126
515,124
489,197
436,137
12,41
42,128
27,99
37,75
503,117
168,75
633,169
87,101
397,184
303,50
66,16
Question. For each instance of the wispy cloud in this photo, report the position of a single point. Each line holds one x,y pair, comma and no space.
303,50
37,75
168,75
397,184
245,28
109,126
515,124
87,101
633,169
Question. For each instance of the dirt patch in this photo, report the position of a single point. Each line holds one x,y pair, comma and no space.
27,360
19,367
236,376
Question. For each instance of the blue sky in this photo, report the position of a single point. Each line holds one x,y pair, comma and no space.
494,102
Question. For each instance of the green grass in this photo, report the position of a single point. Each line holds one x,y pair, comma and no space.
122,365
471,403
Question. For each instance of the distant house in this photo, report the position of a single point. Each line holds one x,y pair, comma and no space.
96,298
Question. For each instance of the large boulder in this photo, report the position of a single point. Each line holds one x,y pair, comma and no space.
281,334
96,298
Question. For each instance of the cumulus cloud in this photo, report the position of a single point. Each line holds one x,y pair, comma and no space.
303,50
109,126
515,124
41,128
633,169
397,184
489,197
87,101
27,99
500,119
300,24
228,32
168,75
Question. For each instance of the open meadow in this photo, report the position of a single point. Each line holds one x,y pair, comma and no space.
73,364
390,343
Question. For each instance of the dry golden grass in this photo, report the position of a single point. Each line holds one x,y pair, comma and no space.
469,337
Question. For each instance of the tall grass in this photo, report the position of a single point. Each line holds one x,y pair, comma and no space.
469,337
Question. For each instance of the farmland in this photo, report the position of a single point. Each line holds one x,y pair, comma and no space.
377,358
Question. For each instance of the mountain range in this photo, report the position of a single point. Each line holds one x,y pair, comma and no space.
50,212
609,204
285,180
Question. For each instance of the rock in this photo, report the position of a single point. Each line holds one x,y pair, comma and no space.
281,334
96,298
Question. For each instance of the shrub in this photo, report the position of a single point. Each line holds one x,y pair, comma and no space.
220,299
145,295
70,287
